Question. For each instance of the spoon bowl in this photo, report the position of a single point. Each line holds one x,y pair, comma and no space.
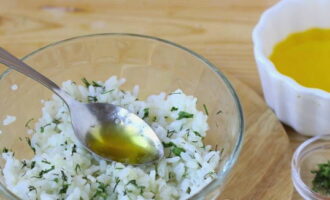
108,131
114,133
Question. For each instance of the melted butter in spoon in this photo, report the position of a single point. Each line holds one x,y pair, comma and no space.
121,143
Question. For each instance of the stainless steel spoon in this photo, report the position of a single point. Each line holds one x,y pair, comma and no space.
107,130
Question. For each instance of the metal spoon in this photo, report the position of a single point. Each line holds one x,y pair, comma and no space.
109,131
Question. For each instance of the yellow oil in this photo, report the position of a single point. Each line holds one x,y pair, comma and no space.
120,143
305,57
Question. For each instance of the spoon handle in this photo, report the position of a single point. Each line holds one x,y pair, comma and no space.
13,62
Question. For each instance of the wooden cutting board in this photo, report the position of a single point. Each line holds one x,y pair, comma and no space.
263,168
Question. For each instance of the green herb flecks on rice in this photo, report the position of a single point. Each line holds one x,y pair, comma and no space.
62,169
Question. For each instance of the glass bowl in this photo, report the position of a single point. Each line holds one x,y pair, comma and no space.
306,158
154,64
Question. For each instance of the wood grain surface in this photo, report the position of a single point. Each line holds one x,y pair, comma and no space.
263,168
220,30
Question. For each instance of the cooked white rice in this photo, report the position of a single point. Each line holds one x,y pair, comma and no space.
14,87
8,120
62,169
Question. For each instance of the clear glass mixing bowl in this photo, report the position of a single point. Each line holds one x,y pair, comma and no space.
154,64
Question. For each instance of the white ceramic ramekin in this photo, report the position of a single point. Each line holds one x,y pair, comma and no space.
307,110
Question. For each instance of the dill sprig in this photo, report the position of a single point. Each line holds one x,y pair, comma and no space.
321,181
183,114
146,113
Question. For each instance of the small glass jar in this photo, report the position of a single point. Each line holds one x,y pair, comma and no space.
306,158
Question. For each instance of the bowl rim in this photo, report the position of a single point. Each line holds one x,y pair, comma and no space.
222,174
268,65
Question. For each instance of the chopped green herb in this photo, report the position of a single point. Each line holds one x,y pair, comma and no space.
85,178
65,143
5,150
74,149
117,182
321,181
178,150
175,150
188,190
95,84
156,170
221,151
171,175
28,140
32,188
105,92
96,173
141,189
64,177
166,117
205,109
174,93
101,191
64,188
170,133
84,80
91,99
57,121
55,180
42,128
46,161
27,124
174,109
33,164
209,174
210,158
57,130
42,172
133,182
198,134
24,164
219,112
187,132
154,119
146,113
77,168
185,174
183,114
169,144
